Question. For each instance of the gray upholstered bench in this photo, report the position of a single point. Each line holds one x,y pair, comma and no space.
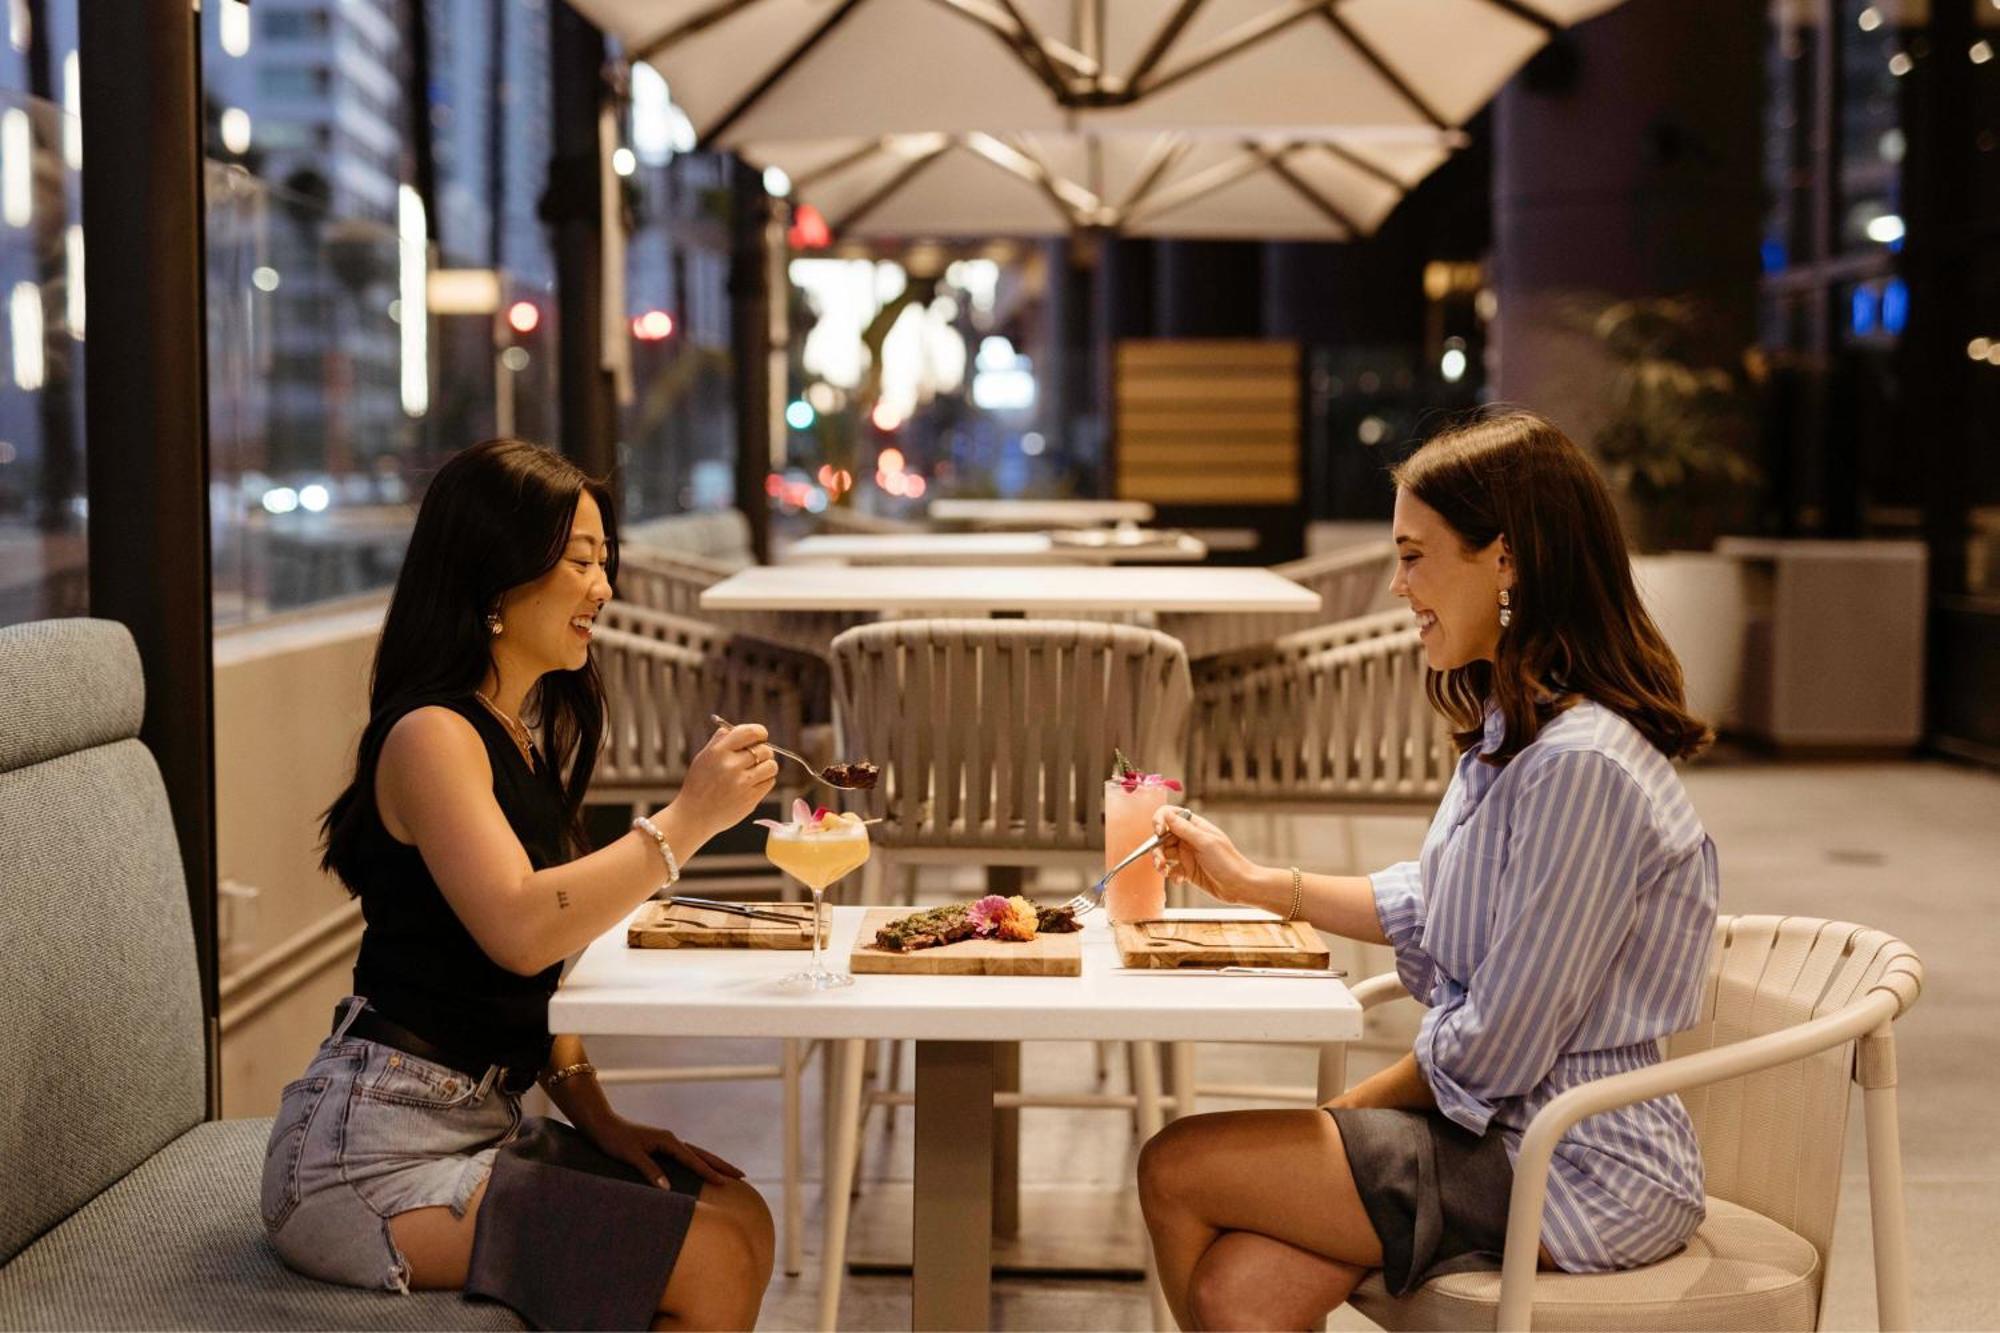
119,1206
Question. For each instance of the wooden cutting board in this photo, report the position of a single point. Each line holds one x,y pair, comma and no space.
1042,956
669,926
1219,944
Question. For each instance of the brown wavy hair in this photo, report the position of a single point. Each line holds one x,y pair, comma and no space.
1578,626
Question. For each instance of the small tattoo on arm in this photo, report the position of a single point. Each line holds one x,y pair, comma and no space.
562,898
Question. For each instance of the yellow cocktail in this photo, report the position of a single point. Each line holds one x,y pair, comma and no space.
816,852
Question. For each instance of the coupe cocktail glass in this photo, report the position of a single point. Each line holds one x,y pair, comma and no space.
816,853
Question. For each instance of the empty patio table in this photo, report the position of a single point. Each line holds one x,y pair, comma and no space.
983,590
1091,547
1039,513
955,1021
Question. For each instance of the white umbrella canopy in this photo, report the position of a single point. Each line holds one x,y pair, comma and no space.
1325,187
748,71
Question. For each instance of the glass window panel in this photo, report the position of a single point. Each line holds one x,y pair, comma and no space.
43,553
1880,46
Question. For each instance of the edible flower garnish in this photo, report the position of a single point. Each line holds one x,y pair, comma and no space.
1019,923
1131,779
987,914
816,818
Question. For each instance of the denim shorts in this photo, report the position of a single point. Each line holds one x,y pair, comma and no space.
367,1133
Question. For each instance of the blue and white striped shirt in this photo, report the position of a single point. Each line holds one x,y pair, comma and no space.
1559,926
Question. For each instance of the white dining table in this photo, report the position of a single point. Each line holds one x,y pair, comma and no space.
1039,513
979,590
955,1022
1093,547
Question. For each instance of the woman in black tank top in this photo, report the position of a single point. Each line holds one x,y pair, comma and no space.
401,1159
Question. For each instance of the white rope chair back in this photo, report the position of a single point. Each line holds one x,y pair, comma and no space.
998,734
665,675
1774,1141
1330,718
1351,582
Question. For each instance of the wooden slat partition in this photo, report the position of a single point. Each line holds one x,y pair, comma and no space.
1204,421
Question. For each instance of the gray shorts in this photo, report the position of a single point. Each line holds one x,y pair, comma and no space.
367,1133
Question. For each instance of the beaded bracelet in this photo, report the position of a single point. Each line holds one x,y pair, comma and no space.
1298,895
568,1072
651,830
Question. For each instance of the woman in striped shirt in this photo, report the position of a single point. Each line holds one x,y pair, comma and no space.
1557,924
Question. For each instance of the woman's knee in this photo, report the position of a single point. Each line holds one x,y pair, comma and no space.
1167,1159
743,1205
719,1275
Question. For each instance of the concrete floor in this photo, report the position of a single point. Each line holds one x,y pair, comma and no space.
1907,847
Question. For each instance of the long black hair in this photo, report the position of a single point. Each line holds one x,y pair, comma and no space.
496,516
1578,623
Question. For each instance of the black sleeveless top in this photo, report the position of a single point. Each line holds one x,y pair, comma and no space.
419,965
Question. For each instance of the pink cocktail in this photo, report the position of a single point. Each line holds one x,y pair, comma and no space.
1139,892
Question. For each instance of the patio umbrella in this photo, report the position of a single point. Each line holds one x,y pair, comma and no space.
1325,187
759,70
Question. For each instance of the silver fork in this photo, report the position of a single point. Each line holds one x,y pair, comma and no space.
1094,895
799,759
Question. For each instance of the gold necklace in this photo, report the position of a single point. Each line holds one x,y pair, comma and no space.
523,741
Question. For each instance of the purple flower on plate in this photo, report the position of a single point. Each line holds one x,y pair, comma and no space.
987,914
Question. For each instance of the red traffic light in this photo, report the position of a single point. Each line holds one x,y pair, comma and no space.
524,316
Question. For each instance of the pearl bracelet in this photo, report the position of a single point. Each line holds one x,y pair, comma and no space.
652,830
1298,895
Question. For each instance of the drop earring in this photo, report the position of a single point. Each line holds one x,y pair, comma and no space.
494,625
1506,610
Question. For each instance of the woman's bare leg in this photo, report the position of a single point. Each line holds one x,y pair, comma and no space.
1281,1174
1249,1281
436,1244
718,1282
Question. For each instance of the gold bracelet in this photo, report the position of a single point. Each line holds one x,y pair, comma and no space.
568,1072
1298,895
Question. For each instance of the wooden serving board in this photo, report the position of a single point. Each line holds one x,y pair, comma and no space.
670,926
1042,956
1219,944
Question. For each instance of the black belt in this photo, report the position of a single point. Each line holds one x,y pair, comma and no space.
370,1025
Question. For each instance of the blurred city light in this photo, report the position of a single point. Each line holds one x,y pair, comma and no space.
1886,228
799,414
24,330
623,162
652,116
17,166
809,230
1452,364
280,500
464,291
235,128
315,498
73,274
891,460
232,24
653,326
1033,443
413,291
776,182
264,278
72,112
524,316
